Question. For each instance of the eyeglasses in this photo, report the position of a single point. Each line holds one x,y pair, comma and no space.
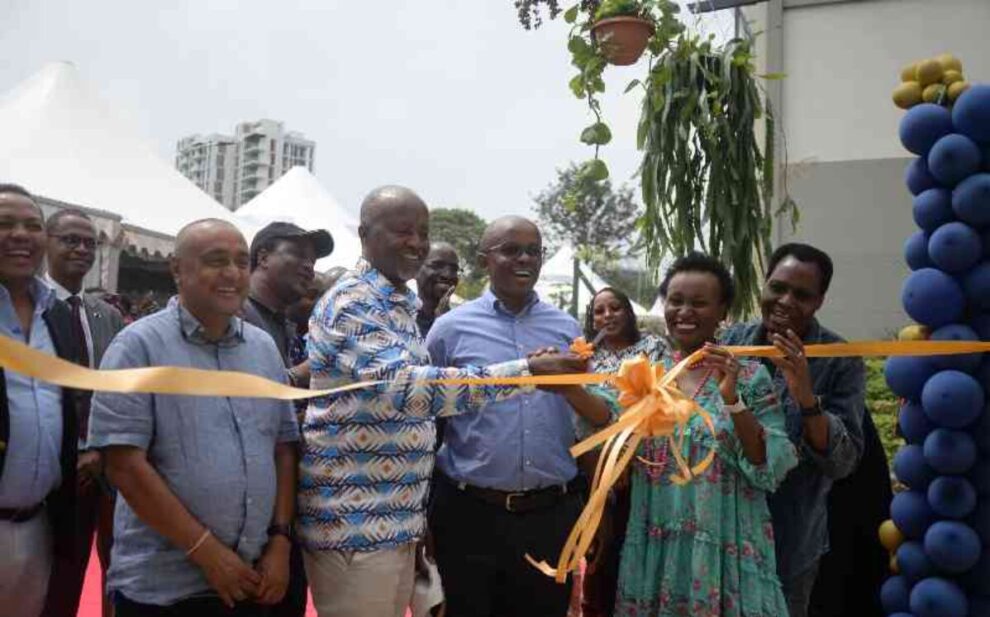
511,250
74,240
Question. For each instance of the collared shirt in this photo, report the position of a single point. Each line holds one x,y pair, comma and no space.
514,445
799,507
368,453
216,454
282,331
32,468
64,294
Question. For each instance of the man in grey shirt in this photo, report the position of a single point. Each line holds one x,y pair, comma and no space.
208,483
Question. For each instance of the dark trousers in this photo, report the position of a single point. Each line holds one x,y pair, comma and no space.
294,602
600,583
480,549
94,516
198,607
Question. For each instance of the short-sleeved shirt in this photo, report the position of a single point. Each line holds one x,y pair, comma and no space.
216,454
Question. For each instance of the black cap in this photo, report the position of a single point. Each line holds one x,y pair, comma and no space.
321,239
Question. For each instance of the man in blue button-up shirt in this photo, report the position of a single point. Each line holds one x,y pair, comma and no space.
507,485
37,419
208,483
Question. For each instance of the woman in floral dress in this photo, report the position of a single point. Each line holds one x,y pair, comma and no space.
705,549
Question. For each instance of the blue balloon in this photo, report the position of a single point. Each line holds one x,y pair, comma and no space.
954,158
938,597
933,208
981,429
952,546
906,375
976,286
895,594
971,200
952,496
950,452
917,177
911,468
971,113
979,477
932,297
911,513
968,363
914,424
923,125
916,251
912,561
955,247
952,399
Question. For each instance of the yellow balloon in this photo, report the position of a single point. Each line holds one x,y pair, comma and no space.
893,564
951,76
932,93
949,62
957,89
929,72
913,333
907,94
909,72
890,536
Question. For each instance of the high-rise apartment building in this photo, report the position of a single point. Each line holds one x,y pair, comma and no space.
235,169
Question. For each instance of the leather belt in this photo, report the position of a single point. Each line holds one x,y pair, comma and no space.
521,501
20,515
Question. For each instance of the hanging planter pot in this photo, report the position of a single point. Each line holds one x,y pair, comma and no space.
622,39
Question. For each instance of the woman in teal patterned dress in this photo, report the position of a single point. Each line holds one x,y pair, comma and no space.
705,549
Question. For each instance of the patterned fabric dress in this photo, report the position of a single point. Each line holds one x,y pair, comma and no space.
706,549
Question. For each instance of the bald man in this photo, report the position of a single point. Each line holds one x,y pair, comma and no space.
507,472
208,483
368,453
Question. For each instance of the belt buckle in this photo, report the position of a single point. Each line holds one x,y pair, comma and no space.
508,500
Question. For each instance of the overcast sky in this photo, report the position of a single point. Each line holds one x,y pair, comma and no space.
450,97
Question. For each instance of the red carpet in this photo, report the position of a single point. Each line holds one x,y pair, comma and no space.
90,605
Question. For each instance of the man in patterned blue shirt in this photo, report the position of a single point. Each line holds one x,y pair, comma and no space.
507,471
368,454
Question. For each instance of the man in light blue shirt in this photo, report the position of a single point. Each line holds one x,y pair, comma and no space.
208,483
507,470
37,419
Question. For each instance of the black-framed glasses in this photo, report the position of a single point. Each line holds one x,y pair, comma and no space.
74,240
511,250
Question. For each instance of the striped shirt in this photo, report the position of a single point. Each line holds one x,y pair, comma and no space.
368,454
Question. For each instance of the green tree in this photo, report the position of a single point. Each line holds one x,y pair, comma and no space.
463,229
597,220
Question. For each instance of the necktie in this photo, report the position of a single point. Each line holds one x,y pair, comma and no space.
79,334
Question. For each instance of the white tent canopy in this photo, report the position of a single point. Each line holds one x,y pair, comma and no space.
61,141
299,198
557,280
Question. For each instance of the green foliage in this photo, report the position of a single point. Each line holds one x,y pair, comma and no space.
462,229
584,210
615,8
883,406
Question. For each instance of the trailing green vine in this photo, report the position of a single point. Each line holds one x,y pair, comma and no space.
706,178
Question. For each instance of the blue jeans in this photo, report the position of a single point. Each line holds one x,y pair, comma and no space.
797,591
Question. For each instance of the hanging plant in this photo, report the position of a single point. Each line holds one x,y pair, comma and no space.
706,178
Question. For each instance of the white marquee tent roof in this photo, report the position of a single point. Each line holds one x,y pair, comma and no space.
299,198
557,278
60,140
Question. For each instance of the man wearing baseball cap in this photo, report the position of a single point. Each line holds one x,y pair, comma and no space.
282,259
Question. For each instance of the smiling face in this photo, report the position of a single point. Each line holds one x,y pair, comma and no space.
693,308
439,273
211,270
71,250
397,239
513,255
289,267
791,296
609,315
22,238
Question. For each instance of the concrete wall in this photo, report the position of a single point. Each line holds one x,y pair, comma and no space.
842,59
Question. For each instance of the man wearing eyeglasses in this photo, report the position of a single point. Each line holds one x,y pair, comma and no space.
37,419
70,251
507,485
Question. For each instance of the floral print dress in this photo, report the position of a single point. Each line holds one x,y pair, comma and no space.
705,549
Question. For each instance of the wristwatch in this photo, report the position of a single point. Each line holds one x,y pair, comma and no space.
814,410
280,530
